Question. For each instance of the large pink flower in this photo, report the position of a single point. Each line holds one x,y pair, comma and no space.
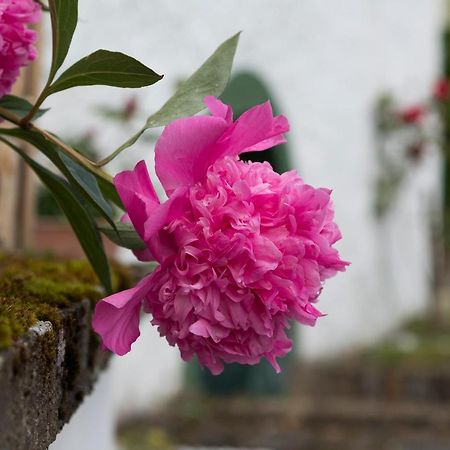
16,39
242,249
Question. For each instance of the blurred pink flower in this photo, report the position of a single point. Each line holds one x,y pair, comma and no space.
242,249
441,90
412,114
16,39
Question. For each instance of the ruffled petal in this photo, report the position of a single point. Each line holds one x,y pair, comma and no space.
256,130
116,318
165,213
186,149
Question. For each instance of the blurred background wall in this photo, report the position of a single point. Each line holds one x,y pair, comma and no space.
326,64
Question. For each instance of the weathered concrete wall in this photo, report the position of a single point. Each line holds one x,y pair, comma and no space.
44,378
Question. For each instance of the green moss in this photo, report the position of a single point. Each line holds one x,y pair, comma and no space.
140,436
6,333
36,289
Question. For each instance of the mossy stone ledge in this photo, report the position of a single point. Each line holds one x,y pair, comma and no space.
49,357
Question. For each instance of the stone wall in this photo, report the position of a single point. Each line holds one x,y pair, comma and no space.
44,378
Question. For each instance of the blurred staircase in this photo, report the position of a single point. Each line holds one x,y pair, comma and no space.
348,405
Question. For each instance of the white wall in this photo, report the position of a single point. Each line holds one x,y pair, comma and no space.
92,427
327,62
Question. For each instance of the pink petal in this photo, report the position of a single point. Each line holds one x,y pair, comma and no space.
267,257
219,109
161,215
266,253
144,255
144,209
136,181
200,328
257,130
206,329
185,150
116,318
137,194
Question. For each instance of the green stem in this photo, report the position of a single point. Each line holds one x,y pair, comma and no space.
69,151
44,93
27,119
108,159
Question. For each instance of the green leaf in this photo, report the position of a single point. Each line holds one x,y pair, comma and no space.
80,220
124,235
210,79
64,15
110,192
84,181
106,68
89,186
19,106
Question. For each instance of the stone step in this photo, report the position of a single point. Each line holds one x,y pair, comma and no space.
304,423
406,382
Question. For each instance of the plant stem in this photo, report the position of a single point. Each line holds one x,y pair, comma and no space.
9,116
68,150
108,159
27,119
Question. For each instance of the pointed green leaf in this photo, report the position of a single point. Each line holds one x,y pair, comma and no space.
89,185
106,68
124,235
80,220
64,15
210,79
19,106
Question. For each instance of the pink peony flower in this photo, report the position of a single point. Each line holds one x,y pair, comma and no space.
242,249
16,39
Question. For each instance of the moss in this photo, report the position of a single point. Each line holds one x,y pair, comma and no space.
49,346
6,333
140,437
36,289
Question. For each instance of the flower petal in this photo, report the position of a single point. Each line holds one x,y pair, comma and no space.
163,214
144,209
144,255
186,149
116,318
219,109
137,194
257,130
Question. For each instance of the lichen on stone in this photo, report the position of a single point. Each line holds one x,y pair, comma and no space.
36,289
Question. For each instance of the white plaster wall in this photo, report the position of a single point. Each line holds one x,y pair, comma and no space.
326,62
93,425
